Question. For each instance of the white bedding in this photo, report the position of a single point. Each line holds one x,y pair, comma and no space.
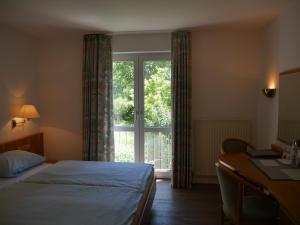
130,175
77,193
7,181
65,204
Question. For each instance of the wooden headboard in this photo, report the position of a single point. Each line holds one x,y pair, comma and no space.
33,143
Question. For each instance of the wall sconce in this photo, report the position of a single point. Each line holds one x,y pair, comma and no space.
269,92
27,113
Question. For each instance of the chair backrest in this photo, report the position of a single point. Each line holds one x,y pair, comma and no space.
232,186
229,187
234,145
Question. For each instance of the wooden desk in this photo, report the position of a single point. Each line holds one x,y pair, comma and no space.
287,193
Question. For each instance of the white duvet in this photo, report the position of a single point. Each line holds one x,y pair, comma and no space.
76,193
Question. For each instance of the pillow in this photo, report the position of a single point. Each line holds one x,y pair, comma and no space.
12,163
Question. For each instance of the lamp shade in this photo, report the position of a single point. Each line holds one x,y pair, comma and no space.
29,112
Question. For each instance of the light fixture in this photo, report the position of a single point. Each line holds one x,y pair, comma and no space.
269,92
27,112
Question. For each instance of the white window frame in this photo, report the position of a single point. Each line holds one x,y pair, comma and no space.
139,58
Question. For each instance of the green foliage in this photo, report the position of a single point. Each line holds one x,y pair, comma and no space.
157,90
157,148
157,93
124,146
157,107
123,92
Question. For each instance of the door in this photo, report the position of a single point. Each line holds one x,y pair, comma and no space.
142,109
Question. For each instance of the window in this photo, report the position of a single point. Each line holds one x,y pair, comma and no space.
142,109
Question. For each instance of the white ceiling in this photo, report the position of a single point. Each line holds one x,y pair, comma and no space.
45,16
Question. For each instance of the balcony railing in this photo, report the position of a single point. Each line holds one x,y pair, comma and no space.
157,145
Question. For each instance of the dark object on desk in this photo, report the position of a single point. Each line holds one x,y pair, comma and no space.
238,208
235,145
263,153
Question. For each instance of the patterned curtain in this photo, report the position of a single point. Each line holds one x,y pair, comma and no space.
98,143
181,111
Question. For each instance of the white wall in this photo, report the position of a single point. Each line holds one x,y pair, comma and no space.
60,87
281,52
141,42
267,112
229,69
18,84
226,66
226,73
224,80
60,90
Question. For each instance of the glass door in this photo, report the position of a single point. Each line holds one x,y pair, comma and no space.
124,103
142,109
156,111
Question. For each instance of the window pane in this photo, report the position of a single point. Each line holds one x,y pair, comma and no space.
157,97
123,92
158,149
124,146
123,103
157,113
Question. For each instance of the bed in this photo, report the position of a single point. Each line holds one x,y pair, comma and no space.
76,192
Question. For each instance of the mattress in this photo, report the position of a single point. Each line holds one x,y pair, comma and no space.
77,192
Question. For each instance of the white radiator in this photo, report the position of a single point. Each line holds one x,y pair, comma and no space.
208,136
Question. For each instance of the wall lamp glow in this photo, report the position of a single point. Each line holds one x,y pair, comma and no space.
26,113
269,92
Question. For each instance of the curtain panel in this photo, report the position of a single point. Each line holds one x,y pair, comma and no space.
181,111
98,142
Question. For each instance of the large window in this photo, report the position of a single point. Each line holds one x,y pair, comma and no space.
142,108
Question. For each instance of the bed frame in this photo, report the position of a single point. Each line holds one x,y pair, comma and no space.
35,143
143,215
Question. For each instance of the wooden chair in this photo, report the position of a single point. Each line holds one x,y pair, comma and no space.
235,145
241,209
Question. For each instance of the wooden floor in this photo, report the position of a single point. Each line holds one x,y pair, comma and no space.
199,206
